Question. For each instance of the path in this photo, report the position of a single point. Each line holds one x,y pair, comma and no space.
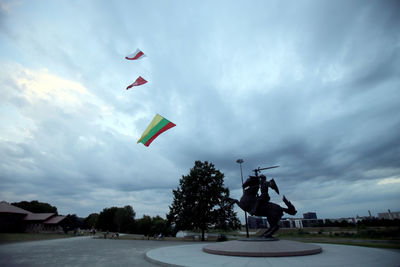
79,251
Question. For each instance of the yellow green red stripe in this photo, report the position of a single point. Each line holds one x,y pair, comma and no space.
157,126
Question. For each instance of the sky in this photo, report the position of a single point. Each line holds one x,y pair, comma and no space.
311,86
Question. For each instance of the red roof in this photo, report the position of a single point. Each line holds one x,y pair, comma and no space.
55,220
7,208
38,216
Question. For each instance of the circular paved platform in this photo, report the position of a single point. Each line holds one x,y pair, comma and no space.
331,256
259,248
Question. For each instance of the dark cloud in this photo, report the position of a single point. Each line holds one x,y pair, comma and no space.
312,87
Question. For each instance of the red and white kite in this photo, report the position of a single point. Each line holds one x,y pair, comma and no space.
139,81
135,55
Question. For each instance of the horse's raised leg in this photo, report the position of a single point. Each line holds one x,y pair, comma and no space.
271,231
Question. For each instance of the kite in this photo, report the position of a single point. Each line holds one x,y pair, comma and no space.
135,55
157,126
139,81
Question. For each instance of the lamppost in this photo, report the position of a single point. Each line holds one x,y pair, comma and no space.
240,161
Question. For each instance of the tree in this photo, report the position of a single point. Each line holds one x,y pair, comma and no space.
201,201
36,206
124,219
144,226
91,221
71,222
116,219
225,217
160,225
106,219
150,226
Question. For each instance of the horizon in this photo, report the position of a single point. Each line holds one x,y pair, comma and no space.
242,221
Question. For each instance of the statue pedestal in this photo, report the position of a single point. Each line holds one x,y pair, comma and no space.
262,247
259,239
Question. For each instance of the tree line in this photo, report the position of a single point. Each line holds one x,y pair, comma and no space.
113,219
199,202
123,220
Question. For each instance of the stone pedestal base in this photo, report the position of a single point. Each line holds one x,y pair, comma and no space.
262,248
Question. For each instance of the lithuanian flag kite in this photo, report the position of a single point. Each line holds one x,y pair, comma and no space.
156,127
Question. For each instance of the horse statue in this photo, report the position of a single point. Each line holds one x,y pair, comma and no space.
257,205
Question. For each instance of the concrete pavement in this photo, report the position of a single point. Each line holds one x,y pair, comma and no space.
79,251
331,256
86,251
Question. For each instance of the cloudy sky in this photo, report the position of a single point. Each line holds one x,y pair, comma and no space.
311,86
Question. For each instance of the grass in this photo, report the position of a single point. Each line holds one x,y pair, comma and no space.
6,238
387,237
352,242
387,233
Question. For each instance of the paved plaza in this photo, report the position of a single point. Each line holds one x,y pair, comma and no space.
87,251
80,251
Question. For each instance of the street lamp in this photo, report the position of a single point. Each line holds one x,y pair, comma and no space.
240,161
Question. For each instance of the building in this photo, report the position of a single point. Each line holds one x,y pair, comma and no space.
290,223
300,223
389,215
14,219
310,216
11,218
351,220
363,218
255,222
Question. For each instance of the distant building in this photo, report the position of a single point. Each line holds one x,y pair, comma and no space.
14,219
389,215
286,223
300,223
312,222
255,222
310,216
348,220
363,218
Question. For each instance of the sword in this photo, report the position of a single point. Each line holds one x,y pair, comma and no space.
256,171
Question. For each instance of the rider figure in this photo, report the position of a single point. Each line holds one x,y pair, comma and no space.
251,182
264,197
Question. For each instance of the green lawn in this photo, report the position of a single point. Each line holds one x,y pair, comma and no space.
384,237
22,237
374,243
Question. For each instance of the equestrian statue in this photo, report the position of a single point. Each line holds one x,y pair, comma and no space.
260,205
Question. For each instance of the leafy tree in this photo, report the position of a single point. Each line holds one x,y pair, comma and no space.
160,225
201,201
116,219
150,226
71,222
91,221
36,206
225,217
144,226
124,219
106,219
